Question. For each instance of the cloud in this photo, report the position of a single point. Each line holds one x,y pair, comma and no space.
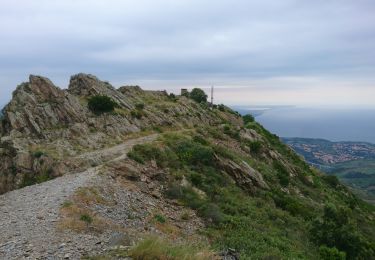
267,43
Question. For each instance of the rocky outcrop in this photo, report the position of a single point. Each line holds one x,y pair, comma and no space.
38,105
245,177
85,85
42,118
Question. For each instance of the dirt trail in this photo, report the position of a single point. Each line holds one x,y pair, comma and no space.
28,216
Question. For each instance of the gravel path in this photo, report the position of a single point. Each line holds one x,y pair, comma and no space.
28,216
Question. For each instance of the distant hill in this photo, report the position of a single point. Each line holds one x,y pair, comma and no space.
352,162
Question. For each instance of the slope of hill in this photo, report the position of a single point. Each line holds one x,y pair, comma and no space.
352,162
162,177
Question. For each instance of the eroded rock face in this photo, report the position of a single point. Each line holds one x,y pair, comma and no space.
38,105
40,113
245,177
86,85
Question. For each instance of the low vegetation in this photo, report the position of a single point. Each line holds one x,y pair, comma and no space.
285,222
101,104
156,248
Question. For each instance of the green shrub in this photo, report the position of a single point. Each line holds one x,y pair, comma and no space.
255,147
35,178
144,152
136,114
160,218
198,95
221,107
86,218
293,205
187,195
38,154
172,96
247,119
200,139
194,153
331,180
101,104
337,229
224,152
212,213
327,253
139,106
235,134
196,179
282,173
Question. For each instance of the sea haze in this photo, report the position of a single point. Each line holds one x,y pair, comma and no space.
326,123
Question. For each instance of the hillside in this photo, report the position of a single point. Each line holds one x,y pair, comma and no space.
352,162
151,175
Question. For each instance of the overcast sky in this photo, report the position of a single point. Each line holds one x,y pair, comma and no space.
297,52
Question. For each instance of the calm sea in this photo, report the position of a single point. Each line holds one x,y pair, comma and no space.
331,124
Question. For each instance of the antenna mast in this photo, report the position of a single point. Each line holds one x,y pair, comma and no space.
212,96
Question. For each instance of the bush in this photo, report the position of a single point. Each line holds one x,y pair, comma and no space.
101,104
282,173
221,107
212,213
331,180
235,134
160,218
196,179
193,153
172,97
86,218
336,229
327,253
38,154
293,205
139,106
247,119
144,152
255,147
198,95
136,114
187,195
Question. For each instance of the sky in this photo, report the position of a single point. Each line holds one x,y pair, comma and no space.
255,52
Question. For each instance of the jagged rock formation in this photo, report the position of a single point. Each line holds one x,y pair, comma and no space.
42,117
39,105
244,175
84,85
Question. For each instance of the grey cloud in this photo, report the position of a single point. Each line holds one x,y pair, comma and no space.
186,41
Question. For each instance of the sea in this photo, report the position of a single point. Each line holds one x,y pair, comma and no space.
334,124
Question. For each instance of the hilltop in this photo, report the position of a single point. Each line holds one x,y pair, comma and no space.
103,173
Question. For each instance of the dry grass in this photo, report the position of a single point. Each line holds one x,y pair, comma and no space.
71,212
155,248
71,219
89,196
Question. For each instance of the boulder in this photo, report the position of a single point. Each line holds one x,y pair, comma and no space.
245,176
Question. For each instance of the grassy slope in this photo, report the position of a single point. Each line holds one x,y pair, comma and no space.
267,223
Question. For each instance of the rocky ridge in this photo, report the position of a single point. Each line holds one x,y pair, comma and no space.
42,117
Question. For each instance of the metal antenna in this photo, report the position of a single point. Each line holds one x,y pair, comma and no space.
212,96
